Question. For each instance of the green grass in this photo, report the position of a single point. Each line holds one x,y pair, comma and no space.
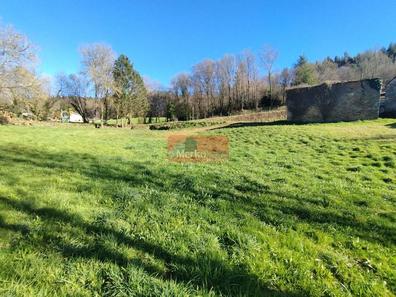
298,210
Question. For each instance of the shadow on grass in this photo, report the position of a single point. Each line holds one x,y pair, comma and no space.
243,195
261,124
316,211
227,280
253,124
23,229
207,272
393,125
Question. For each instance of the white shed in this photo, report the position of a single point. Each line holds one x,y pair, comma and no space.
75,118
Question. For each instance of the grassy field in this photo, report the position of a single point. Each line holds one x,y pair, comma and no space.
298,210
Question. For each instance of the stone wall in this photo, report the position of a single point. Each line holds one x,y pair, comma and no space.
388,106
333,102
390,90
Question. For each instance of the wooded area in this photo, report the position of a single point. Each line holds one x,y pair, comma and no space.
108,87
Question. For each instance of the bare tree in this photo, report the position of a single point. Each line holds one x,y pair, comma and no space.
268,57
348,72
157,103
285,80
17,66
74,88
241,83
372,64
327,71
97,61
251,77
226,69
41,103
181,87
157,99
204,86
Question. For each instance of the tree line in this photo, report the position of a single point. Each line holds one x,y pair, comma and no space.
109,87
233,83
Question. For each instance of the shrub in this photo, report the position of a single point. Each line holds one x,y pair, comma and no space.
183,125
4,119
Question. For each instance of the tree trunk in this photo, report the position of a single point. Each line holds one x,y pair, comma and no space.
101,115
117,119
270,88
130,120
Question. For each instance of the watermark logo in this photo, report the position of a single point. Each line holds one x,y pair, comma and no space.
197,148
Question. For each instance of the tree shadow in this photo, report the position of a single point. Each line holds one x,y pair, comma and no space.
298,209
393,125
248,195
84,164
227,281
23,229
259,124
222,277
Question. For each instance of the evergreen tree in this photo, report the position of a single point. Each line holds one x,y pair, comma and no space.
391,52
305,72
130,96
348,59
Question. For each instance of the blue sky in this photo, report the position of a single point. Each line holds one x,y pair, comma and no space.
163,38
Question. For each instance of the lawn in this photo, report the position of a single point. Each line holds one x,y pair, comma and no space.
297,210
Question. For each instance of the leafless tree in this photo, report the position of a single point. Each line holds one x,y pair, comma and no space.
203,78
241,83
372,64
181,87
17,67
74,88
268,56
285,80
327,71
348,72
98,61
226,73
251,80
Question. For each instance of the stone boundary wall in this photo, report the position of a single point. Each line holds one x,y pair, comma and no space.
388,105
390,90
334,102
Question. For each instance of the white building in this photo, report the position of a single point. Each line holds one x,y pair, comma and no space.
75,118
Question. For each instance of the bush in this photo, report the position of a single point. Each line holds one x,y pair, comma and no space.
5,119
183,125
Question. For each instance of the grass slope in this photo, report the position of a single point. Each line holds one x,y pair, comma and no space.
298,210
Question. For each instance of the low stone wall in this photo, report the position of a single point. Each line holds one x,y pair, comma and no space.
334,102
